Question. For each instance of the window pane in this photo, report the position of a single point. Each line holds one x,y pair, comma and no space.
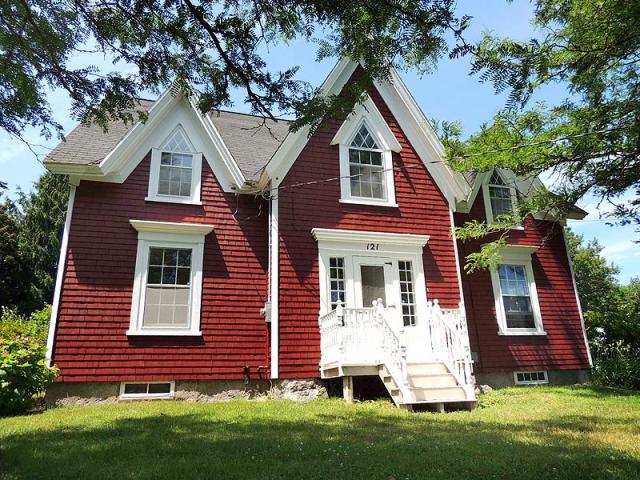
135,388
407,294
168,292
501,203
175,174
516,298
373,284
158,388
336,281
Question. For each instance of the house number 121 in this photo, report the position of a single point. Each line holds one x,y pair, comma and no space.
373,246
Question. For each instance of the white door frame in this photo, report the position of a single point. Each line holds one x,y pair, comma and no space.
390,282
348,244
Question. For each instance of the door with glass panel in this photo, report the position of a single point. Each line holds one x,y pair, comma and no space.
373,280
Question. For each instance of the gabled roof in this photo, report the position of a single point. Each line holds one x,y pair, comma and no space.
251,141
90,144
408,114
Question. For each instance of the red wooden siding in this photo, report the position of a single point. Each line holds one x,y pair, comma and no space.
563,348
91,344
422,210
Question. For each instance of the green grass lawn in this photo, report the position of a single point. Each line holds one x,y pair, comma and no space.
537,433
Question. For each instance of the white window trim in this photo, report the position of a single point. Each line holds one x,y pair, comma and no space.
487,199
167,235
531,382
148,396
196,174
367,113
517,255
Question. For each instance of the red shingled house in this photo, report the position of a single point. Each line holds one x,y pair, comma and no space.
201,251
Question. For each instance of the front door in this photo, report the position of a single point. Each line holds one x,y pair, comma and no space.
373,281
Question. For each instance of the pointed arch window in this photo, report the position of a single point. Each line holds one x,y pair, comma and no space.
366,166
175,170
500,198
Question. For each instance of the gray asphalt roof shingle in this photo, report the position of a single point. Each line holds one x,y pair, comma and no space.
89,144
251,140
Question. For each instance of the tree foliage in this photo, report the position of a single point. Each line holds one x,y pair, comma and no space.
12,273
30,234
215,45
590,142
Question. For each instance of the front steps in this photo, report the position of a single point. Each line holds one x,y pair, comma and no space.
428,383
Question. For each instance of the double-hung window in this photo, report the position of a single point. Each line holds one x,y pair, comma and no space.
366,168
168,281
175,170
517,307
366,146
500,198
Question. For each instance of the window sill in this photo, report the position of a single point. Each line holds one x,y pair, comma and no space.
519,334
182,201
353,201
163,333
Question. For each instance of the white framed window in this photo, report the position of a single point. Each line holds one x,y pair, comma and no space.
167,289
337,287
515,294
407,293
499,198
366,146
147,390
176,170
530,378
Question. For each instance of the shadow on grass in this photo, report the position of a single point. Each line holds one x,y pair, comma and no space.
350,444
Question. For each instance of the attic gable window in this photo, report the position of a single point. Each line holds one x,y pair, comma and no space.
500,199
366,146
175,170
366,167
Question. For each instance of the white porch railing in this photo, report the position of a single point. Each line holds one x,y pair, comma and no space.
374,336
363,336
449,339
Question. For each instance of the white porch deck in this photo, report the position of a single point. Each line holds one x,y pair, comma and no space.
426,363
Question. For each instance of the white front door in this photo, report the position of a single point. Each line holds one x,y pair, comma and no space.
373,280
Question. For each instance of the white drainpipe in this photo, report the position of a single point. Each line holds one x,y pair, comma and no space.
274,281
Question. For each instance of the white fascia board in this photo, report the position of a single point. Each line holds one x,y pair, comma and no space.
367,111
351,236
171,227
407,113
422,137
62,262
164,115
294,142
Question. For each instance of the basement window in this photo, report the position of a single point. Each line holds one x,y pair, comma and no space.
531,378
147,390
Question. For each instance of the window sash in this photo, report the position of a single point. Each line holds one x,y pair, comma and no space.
516,296
367,174
175,174
500,200
336,281
407,293
167,302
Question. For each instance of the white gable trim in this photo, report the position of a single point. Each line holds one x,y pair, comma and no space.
367,112
283,159
164,117
411,120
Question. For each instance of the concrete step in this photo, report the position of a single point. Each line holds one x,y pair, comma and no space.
431,368
445,394
433,381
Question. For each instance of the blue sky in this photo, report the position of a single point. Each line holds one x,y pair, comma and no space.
449,93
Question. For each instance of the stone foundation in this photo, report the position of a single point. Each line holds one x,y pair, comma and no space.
556,377
91,393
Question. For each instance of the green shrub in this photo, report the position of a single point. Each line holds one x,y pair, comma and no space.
617,365
23,373
34,326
